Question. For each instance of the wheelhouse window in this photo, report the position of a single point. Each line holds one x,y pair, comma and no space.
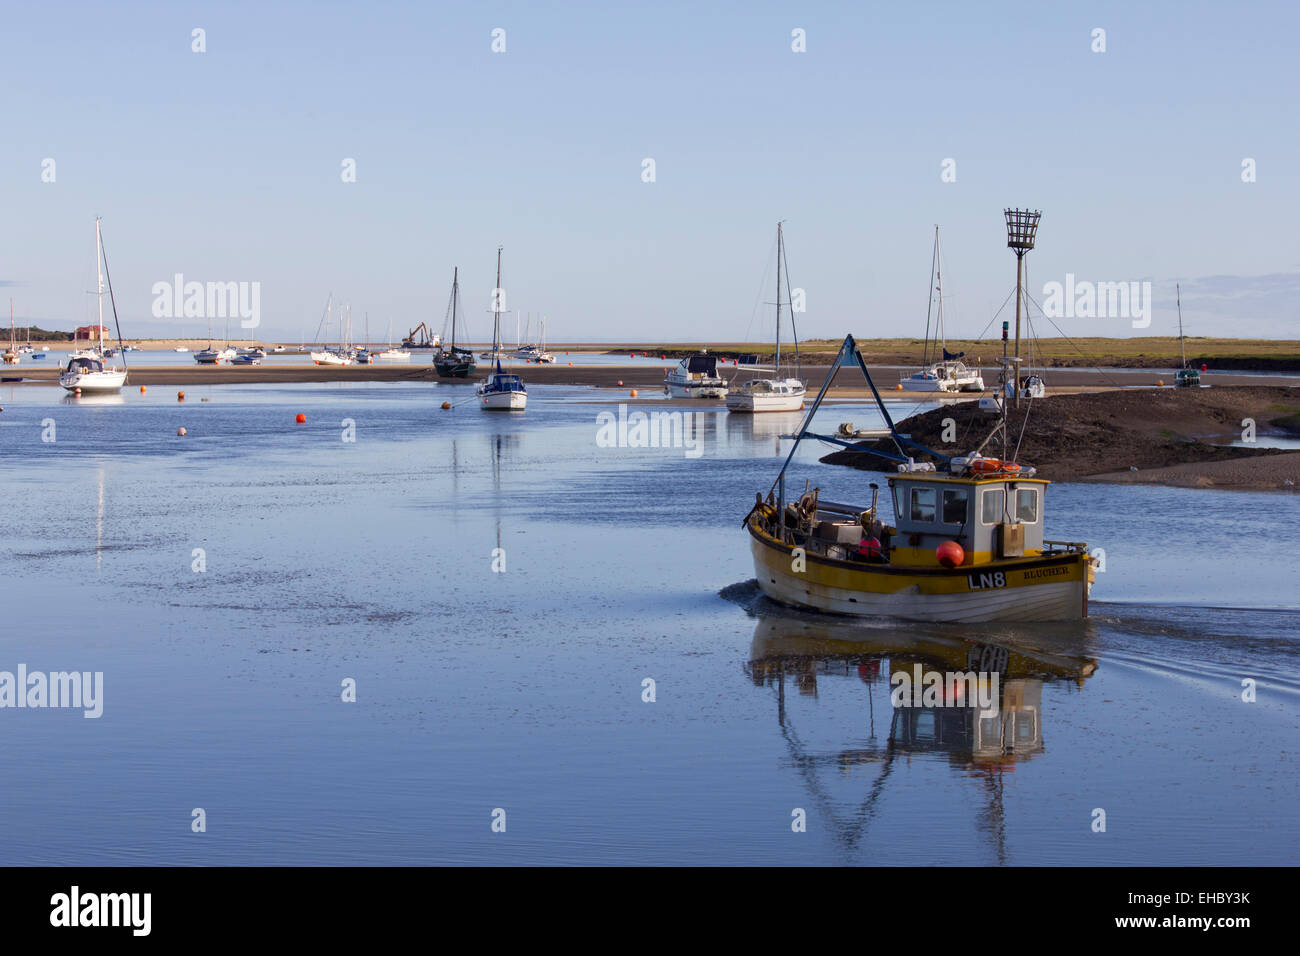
1027,505
923,505
993,505
955,502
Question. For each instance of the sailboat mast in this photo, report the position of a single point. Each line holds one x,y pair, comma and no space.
496,308
929,298
455,292
779,240
99,271
1182,349
938,285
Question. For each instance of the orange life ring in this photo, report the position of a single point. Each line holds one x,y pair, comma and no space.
993,466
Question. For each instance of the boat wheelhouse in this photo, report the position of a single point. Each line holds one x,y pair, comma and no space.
696,376
967,542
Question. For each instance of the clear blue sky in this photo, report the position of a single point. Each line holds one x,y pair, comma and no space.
226,165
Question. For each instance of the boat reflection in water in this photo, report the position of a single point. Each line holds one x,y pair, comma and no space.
842,662
93,398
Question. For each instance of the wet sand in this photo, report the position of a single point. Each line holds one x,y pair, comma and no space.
1268,473
1179,437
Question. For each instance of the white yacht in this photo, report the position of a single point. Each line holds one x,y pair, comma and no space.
696,376
949,373
86,372
326,355
773,394
501,391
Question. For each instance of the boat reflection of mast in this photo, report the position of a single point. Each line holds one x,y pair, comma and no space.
99,525
807,765
988,745
496,483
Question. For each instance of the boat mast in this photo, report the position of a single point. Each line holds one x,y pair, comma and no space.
1182,350
496,307
929,297
455,290
776,371
938,285
99,271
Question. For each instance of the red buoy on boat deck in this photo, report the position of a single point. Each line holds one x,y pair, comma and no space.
301,419
950,554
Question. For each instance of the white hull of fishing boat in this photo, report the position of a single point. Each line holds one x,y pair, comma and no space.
109,380
764,395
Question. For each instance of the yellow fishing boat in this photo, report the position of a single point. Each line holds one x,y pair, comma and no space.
967,542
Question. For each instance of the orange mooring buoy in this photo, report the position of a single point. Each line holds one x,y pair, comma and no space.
181,432
446,405
1160,381
141,389
180,396
950,554
633,393
301,419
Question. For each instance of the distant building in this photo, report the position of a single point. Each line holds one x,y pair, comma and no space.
90,333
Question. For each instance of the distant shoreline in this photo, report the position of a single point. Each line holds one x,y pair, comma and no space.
1154,352
641,377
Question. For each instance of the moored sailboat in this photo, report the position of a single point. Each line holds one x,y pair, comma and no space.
1185,377
773,394
948,373
86,372
501,391
326,355
452,361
